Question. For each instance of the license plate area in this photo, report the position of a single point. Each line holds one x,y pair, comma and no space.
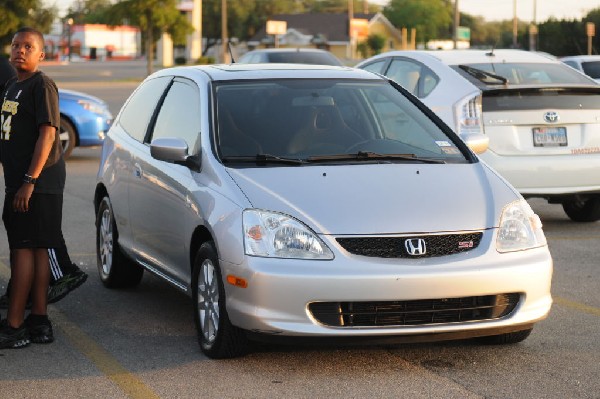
550,136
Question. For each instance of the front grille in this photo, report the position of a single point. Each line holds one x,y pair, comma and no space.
414,313
394,247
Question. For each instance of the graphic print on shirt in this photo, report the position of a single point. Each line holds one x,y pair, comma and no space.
9,109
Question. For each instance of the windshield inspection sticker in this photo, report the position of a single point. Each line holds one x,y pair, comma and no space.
443,143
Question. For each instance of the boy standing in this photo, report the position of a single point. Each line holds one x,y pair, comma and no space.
34,174
66,275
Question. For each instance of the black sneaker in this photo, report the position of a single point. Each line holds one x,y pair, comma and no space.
65,285
13,338
40,329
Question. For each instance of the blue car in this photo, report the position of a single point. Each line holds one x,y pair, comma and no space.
84,120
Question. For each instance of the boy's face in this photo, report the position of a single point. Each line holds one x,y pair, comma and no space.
26,52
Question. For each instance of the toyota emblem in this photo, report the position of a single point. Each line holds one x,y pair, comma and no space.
551,117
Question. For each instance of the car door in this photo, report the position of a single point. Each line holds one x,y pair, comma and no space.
126,139
162,214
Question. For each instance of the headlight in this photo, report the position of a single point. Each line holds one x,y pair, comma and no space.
520,228
93,107
276,235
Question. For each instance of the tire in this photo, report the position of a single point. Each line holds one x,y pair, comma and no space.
115,269
583,210
217,337
506,339
68,137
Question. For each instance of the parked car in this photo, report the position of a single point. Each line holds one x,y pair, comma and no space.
588,64
84,120
314,203
541,117
290,56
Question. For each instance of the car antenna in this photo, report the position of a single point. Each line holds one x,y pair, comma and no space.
230,51
491,53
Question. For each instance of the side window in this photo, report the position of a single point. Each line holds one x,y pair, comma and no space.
139,109
572,64
179,115
376,66
413,76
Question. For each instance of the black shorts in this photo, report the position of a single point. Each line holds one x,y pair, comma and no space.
39,227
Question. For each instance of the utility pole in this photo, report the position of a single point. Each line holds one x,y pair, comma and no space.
456,24
350,51
224,34
533,30
515,32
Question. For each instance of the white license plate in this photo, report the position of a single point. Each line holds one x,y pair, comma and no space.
553,136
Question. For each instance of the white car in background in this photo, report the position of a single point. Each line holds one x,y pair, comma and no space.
542,118
588,64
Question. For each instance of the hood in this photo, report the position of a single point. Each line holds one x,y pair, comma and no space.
77,95
380,198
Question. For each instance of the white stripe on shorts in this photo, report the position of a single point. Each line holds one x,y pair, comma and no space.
54,266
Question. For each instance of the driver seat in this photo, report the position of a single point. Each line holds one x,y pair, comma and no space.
323,131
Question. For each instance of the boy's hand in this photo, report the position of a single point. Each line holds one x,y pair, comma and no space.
21,199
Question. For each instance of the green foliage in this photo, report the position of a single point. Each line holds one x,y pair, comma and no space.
90,11
205,60
375,42
180,60
17,14
430,17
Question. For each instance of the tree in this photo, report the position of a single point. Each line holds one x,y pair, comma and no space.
154,17
429,17
90,11
375,42
17,14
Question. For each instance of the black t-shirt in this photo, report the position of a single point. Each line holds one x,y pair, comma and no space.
27,105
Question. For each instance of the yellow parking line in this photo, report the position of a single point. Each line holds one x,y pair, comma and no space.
104,361
131,385
577,306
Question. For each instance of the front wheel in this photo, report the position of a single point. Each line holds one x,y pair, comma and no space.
583,210
114,268
68,137
217,337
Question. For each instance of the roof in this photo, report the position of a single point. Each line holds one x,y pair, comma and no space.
269,71
582,58
333,27
455,57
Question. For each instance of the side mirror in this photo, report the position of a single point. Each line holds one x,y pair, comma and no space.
477,142
169,149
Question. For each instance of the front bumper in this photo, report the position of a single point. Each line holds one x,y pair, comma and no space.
280,290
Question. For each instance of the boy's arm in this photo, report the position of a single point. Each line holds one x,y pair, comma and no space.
40,155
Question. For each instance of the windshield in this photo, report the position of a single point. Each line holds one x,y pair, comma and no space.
528,73
302,119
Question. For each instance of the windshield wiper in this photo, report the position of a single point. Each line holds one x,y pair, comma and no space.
262,159
368,155
482,75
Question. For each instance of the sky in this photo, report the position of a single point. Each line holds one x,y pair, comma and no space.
491,10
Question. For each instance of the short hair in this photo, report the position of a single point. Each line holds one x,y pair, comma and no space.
34,32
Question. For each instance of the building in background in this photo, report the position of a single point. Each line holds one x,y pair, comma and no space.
93,42
329,32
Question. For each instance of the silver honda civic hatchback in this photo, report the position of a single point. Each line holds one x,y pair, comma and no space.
314,203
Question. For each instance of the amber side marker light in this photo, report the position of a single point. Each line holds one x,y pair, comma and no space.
237,281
